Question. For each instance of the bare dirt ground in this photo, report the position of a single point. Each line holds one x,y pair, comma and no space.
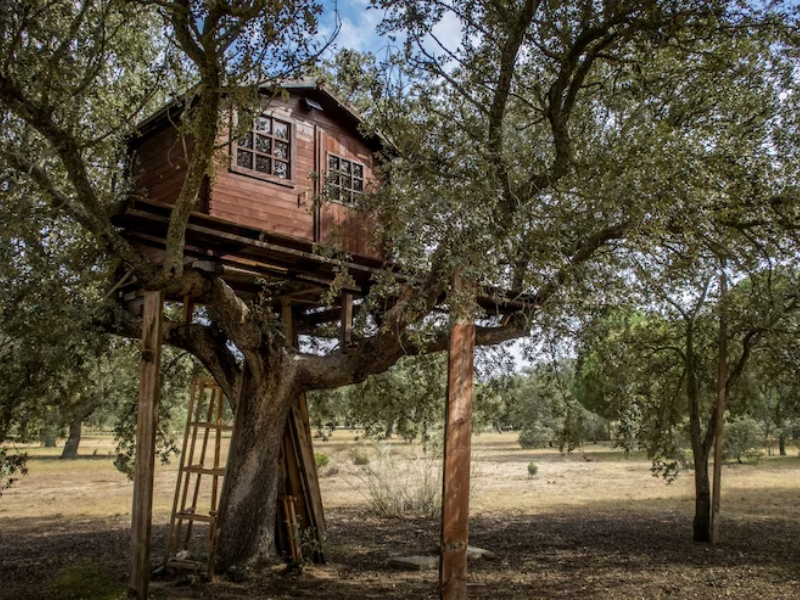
596,528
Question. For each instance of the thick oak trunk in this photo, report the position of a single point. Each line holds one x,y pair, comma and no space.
74,439
249,501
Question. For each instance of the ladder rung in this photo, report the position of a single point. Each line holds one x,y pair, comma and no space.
188,516
195,565
204,471
208,425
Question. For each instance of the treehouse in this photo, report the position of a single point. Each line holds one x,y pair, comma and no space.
287,181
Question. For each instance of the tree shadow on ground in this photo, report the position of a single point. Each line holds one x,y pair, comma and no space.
602,550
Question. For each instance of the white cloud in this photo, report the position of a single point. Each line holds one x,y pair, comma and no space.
448,32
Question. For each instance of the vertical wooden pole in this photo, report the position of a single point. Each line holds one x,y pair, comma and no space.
188,309
147,420
457,448
289,333
345,335
722,400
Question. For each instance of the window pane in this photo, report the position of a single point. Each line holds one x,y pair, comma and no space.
281,130
246,141
264,124
263,144
347,197
244,159
358,170
346,164
281,169
263,164
333,163
358,185
281,150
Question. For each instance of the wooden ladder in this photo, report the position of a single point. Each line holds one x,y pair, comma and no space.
204,415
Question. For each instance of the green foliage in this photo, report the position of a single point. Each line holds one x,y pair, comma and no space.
533,469
359,457
321,460
407,400
743,440
536,436
11,464
540,403
177,370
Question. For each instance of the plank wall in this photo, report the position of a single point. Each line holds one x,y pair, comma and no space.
159,165
283,207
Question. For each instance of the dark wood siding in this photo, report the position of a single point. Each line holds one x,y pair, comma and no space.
159,166
285,208
341,225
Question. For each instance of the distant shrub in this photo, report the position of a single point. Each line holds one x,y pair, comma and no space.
538,436
744,440
533,468
321,459
360,458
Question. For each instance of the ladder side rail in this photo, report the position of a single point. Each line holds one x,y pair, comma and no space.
198,409
203,448
170,539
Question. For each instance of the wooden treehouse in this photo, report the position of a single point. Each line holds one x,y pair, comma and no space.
290,182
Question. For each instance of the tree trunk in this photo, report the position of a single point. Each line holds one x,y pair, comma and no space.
389,429
74,439
702,503
782,444
250,497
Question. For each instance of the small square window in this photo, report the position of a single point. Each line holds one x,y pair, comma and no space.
264,124
281,169
267,148
263,144
263,164
246,141
281,130
244,159
281,150
345,180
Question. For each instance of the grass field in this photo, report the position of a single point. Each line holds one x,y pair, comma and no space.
590,524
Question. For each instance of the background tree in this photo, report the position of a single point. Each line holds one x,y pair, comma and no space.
655,371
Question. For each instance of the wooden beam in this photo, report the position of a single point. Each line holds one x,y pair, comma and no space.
346,331
457,448
147,422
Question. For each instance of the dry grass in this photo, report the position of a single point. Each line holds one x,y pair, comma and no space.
91,487
86,503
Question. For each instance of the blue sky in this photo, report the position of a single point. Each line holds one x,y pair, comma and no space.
359,24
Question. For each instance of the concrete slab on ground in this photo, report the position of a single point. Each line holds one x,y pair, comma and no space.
430,563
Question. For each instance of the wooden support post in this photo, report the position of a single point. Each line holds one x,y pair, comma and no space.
287,318
457,447
188,309
722,398
346,332
147,421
